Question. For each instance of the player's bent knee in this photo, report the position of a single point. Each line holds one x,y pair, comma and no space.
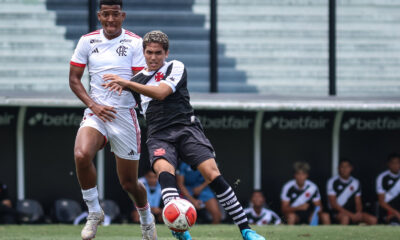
82,158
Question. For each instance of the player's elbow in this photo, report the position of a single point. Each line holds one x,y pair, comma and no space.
161,95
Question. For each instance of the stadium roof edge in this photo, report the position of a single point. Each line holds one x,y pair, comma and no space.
242,102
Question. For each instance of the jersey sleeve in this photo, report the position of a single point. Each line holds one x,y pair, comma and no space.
138,61
176,77
275,219
379,187
316,197
81,53
329,188
358,191
284,193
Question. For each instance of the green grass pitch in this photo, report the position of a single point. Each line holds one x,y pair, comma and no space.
200,232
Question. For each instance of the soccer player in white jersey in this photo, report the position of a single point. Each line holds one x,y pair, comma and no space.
300,198
174,133
344,195
109,116
388,190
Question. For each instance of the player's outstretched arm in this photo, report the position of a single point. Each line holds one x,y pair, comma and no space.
116,83
105,113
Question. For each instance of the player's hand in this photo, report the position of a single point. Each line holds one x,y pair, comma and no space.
303,207
7,202
105,113
198,204
197,190
356,217
115,83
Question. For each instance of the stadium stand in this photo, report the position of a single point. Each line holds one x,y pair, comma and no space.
188,36
368,47
33,49
283,44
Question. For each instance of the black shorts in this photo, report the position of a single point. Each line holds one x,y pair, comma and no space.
180,142
304,216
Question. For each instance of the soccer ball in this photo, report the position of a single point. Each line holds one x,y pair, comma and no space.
179,215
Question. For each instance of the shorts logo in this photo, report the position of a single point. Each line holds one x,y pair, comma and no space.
159,76
159,152
131,153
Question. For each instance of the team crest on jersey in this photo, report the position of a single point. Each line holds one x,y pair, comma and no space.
308,194
159,152
351,188
121,50
159,76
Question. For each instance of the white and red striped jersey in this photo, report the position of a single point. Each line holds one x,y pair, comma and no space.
118,56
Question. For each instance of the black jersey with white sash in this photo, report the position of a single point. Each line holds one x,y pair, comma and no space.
388,183
175,108
345,191
297,196
266,216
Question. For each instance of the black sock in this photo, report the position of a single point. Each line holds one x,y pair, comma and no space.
169,189
227,198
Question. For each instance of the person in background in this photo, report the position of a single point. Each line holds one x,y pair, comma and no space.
258,214
344,195
388,190
153,189
300,198
194,188
8,215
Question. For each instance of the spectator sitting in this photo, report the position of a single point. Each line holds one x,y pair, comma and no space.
196,190
258,214
344,194
7,212
388,190
300,198
153,189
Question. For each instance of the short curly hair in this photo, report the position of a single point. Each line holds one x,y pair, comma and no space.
110,2
156,36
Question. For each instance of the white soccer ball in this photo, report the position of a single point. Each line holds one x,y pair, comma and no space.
179,215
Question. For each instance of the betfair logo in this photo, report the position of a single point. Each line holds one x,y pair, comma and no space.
48,120
298,123
379,123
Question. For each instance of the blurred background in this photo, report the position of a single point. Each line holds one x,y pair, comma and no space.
273,82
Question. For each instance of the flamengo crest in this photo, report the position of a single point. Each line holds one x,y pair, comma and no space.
121,50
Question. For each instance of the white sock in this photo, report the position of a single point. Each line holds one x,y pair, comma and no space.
145,214
91,197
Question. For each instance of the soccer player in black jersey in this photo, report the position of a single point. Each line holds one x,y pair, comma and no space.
344,195
173,130
388,190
